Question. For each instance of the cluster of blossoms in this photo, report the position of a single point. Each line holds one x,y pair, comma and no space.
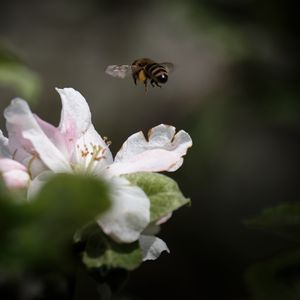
35,149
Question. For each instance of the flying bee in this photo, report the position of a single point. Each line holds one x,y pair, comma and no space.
144,70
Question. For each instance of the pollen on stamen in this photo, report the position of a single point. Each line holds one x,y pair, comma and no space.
84,153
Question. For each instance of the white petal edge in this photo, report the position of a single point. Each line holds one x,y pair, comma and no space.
159,137
75,112
129,213
152,247
76,121
162,152
157,160
19,114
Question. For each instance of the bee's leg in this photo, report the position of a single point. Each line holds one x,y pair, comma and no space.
134,77
154,82
146,85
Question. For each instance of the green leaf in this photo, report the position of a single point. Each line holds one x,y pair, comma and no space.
101,251
8,217
276,278
45,236
72,199
15,74
8,56
163,192
283,219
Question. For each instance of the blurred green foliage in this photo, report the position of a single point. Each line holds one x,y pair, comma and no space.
283,219
39,233
15,74
277,278
258,40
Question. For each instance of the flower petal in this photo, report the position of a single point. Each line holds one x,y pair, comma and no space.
14,174
162,152
24,129
4,151
129,213
75,114
16,179
76,125
34,165
91,152
152,247
7,164
56,137
164,219
38,183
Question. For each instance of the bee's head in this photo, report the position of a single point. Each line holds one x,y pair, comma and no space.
162,78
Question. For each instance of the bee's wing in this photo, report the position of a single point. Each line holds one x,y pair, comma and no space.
169,66
119,71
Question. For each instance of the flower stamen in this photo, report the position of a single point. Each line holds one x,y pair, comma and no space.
96,156
34,156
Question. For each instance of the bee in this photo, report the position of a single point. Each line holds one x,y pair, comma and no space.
144,70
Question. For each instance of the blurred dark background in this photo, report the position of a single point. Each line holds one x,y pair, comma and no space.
235,89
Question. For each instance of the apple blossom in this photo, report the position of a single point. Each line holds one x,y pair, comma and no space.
36,149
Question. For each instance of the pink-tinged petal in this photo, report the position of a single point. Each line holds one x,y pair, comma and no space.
7,164
163,151
14,174
76,124
4,150
64,145
25,131
75,115
16,179
164,219
19,148
152,247
129,214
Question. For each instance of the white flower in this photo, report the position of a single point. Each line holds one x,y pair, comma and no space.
39,149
